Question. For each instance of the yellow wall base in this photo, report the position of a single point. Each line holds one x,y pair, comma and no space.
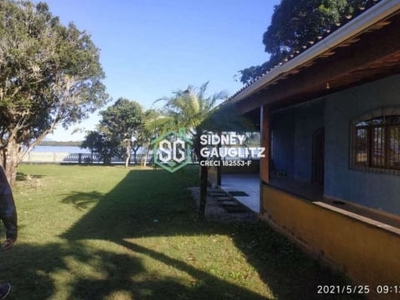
367,251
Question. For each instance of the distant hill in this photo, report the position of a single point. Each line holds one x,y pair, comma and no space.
47,139
61,144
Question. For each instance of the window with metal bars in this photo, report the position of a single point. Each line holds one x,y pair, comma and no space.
376,145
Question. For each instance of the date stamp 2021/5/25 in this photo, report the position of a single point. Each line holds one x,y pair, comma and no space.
382,289
343,289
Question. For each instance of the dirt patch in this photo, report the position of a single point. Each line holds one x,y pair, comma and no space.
219,206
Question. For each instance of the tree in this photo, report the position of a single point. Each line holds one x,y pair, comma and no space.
149,132
193,110
123,121
121,131
50,76
102,144
297,24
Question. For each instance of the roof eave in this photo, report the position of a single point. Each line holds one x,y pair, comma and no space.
359,24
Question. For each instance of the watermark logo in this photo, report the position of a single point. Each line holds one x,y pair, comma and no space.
172,150
227,150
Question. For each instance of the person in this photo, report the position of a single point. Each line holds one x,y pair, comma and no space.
8,215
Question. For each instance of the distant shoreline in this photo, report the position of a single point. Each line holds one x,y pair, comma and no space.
60,149
61,144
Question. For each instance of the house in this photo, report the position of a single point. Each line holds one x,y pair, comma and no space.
330,122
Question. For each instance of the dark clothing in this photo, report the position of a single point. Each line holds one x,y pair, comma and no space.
8,212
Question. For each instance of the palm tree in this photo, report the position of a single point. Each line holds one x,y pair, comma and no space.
192,110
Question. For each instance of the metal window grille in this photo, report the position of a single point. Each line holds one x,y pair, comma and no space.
375,145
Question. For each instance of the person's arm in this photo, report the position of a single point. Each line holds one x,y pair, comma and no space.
8,212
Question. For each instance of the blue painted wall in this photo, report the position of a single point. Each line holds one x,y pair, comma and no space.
309,118
292,150
283,142
292,139
371,189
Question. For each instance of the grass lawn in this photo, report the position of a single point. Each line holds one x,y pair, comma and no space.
94,232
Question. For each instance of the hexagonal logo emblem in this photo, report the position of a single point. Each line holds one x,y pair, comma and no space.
172,150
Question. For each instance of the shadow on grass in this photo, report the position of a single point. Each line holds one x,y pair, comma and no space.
24,177
81,200
40,262
114,275
152,204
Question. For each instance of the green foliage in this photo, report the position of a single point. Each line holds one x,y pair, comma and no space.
102,144
193,110
121,130
198,113
50,74
123,119
122,122
188,108
297,24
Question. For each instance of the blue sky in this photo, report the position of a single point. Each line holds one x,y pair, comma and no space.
150,48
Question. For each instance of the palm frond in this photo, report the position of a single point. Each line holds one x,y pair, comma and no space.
193,110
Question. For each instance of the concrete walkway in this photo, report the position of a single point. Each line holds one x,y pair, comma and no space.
247,183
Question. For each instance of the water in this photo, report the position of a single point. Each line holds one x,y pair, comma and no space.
60,149
65,154
70,149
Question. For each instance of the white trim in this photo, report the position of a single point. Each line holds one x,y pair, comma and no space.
376,13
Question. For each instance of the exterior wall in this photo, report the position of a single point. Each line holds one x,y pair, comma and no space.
69,158
292,139
308,119
283,142
371,258
370,189
46,157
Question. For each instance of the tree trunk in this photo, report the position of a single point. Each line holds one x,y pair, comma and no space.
127,159
10,160
127,154
146,156
12,154
134,150
203,189
107,159
203,178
